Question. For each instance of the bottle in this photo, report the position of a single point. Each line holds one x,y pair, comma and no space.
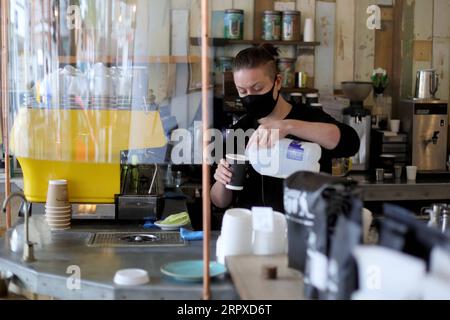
169,176
285,158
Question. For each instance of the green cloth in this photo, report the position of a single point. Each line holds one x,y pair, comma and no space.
177,219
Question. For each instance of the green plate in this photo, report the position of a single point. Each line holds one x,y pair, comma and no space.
191,270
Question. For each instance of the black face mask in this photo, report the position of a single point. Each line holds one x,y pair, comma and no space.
260,106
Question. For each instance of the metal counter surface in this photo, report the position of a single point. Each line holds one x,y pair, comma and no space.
50,276
403,190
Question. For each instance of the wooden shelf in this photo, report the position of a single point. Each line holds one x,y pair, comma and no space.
135,59
220,42
299,90
283,90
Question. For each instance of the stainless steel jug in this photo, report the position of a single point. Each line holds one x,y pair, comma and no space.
427,84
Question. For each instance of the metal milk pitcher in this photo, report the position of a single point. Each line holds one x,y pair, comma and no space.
427,84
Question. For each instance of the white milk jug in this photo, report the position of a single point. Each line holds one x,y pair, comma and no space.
285,158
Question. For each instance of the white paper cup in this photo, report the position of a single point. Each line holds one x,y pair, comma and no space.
58,215
274,242
53,221
65,208
395,126
411,172
57,194
236,234
60,228
308,31
63,225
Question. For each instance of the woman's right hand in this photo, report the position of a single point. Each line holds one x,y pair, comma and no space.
223,173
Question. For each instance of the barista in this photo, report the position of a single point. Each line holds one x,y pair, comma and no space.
259,86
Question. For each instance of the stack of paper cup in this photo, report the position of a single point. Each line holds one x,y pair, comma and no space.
58,211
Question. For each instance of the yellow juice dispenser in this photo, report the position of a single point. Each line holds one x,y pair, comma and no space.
81,146
80,96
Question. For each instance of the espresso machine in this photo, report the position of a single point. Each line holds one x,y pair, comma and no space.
426,122
360,119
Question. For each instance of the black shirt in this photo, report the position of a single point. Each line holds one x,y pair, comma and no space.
268,191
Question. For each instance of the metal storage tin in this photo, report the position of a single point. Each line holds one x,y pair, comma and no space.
234,24
291,25
271,25
286,67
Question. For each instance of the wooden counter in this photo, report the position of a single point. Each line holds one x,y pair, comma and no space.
246,272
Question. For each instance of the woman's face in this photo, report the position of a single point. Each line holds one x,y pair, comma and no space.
255,82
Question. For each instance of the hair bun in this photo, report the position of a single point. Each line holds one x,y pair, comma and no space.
270,48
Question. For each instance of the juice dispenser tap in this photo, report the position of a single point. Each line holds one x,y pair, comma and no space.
28,246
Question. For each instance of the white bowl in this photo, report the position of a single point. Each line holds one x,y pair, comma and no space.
131,277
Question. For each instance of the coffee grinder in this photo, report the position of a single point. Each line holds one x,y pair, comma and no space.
360,119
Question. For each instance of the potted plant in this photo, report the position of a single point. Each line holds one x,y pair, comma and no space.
380,80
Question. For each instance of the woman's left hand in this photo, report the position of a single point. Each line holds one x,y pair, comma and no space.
269,132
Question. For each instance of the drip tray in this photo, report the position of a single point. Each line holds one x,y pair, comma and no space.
130,239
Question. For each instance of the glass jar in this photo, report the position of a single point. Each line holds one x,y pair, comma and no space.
271,25
286,67
223,64
301,79
341,167
234,24
291,25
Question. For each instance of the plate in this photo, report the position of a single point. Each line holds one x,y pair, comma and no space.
169,227
191,270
